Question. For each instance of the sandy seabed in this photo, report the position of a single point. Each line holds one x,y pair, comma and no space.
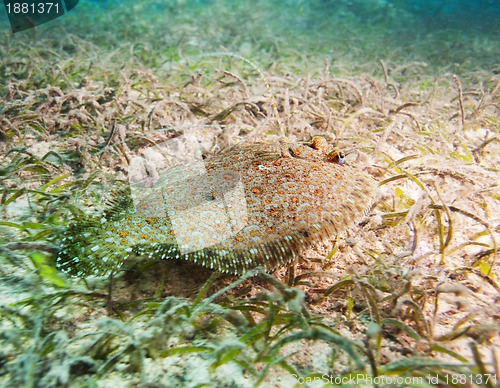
411,290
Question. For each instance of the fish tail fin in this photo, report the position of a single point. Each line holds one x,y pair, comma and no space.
84,250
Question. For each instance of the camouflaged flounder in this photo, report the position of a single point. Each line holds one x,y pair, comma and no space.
278,201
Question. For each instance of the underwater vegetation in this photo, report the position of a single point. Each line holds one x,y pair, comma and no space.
409,290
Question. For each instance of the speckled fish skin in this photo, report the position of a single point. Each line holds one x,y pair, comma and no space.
296,195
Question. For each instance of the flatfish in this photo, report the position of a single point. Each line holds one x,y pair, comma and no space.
255,205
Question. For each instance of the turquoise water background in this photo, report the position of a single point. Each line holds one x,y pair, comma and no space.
437,32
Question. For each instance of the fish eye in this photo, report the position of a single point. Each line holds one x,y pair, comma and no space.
340,158
336,156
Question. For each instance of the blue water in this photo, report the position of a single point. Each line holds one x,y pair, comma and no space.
433,31
435,14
